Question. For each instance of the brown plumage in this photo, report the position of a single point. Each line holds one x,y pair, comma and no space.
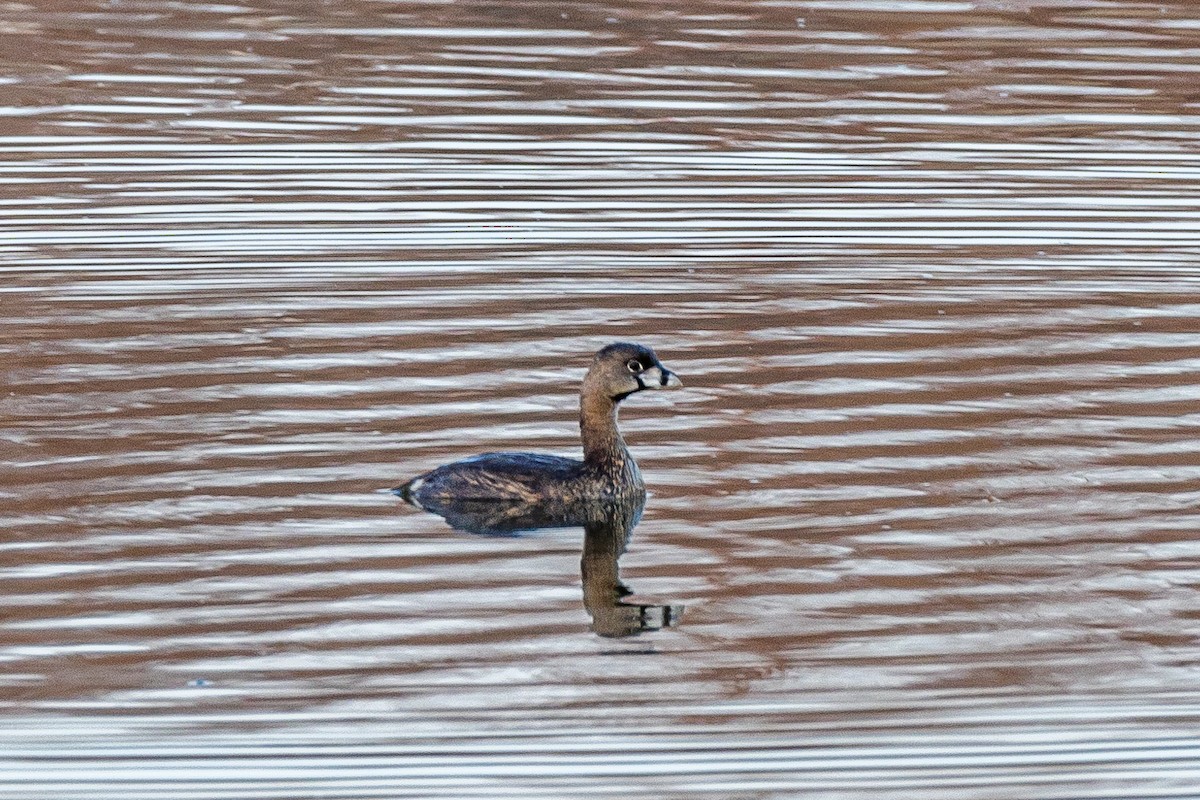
607,468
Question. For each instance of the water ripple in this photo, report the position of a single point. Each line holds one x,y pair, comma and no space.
928,270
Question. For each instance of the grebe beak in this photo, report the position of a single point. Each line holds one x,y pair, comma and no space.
659,378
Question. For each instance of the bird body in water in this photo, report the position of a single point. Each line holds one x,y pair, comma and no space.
607,469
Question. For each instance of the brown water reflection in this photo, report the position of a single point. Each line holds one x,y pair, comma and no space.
607,526
930,499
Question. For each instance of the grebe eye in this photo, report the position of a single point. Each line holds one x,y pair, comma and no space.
634,365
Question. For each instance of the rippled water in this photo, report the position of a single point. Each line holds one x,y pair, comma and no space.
929,271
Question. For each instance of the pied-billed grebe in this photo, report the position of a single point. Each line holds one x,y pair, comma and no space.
607,468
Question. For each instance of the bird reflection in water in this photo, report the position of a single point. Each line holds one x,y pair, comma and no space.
607,524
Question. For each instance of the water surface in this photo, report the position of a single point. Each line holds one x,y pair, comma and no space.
929,271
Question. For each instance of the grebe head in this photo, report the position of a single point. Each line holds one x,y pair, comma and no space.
621,369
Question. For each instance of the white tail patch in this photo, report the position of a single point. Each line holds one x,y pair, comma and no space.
412,488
